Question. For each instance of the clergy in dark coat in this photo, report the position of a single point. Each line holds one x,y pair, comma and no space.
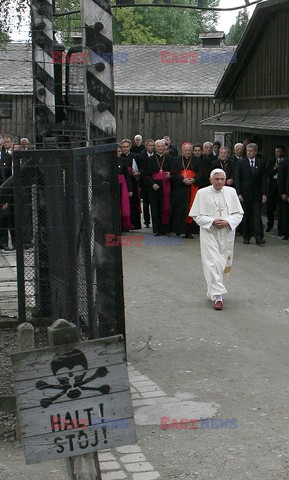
138,147
157,178
186,176
226,164
251,187
145,154
206,160
172,149
134,166
125,192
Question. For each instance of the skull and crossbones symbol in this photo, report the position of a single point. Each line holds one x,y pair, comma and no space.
70,370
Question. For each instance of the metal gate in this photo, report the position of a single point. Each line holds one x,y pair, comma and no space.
66,203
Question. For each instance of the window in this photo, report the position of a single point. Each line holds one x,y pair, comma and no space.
170,106
5,108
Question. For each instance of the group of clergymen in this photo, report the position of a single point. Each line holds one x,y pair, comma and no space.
168,182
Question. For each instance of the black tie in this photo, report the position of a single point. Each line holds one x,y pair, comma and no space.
252,165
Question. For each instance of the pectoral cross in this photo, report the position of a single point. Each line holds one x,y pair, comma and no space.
185,174
220,209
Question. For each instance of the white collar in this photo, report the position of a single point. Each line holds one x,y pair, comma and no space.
217,191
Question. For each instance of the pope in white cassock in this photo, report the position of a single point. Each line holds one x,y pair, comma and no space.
218,212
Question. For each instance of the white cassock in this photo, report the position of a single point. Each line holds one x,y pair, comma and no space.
216,243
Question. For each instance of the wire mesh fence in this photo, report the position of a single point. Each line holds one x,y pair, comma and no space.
64,203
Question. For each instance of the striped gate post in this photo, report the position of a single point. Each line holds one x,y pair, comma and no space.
43,67
98,70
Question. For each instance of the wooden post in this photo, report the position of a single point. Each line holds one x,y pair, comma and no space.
25,343
81,467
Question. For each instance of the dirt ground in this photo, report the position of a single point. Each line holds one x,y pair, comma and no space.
236,359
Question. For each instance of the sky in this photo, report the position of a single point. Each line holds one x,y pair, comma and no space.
226,19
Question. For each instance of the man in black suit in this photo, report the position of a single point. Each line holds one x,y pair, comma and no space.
216,149
250,180
273,197
226,164
283,185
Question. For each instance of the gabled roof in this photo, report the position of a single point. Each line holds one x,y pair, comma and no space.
145,74
255,28
142,74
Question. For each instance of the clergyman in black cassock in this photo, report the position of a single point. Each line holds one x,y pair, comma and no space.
157,178
226,164
145,154
134,165
125,191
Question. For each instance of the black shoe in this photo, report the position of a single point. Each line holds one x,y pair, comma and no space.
189,235
267,229
147,225
284,237
246,241
260,241
158,234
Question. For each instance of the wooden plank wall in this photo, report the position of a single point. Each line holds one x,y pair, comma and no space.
265,83
21,122
133,119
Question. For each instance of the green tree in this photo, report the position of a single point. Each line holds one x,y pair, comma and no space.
128,28
132,25
143,25
236,31
68,24
164,25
